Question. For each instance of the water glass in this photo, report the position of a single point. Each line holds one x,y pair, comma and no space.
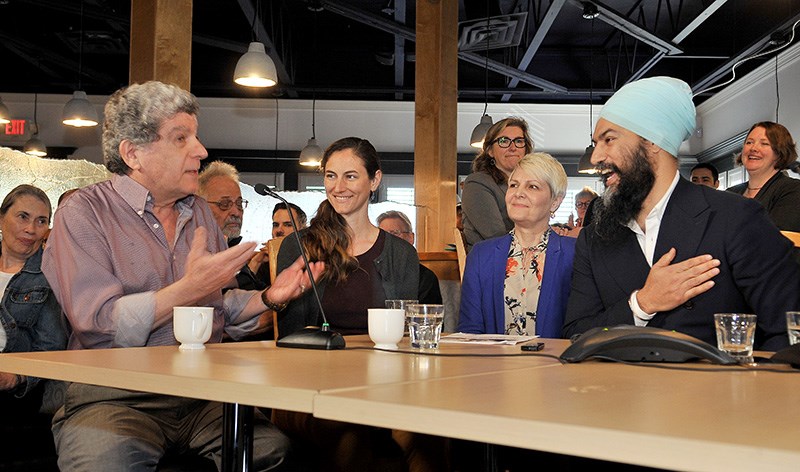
793,326
735,334
399,304
425,324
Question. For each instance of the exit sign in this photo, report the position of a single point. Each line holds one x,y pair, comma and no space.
16,132
15,128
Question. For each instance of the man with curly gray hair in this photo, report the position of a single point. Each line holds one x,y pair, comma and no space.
121,255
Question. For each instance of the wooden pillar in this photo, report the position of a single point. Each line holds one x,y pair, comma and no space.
436,122
161,41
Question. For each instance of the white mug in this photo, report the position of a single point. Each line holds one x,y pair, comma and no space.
192,326
386,326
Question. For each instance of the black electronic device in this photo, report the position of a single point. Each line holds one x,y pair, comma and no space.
641,344
788,355
310,337
532,346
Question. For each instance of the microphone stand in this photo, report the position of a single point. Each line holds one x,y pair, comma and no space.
310,337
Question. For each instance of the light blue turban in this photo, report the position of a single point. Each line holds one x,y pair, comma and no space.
659,109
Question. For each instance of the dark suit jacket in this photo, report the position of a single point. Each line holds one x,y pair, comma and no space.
757,273
482,290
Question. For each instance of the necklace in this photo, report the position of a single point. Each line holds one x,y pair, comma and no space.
753,188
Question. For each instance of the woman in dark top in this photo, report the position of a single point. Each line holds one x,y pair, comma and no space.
364,266
769,150
483,202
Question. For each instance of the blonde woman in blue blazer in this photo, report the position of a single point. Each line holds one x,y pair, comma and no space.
519,283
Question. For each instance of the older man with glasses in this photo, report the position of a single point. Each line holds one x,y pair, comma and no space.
218,184
397,224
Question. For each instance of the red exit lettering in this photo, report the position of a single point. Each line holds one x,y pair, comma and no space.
15,128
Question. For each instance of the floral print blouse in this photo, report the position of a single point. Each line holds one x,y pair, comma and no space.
524,270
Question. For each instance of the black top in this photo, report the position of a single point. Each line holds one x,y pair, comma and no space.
346,304
780,195
429,292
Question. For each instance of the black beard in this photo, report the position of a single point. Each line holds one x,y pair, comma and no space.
618,206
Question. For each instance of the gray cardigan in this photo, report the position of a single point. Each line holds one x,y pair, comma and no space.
398,265
483,203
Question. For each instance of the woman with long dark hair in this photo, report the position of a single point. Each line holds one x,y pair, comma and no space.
364,266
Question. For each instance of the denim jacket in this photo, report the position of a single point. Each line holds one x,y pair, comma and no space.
31,315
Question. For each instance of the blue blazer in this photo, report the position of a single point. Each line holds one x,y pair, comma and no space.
482,297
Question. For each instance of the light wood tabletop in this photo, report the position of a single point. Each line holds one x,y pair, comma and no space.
258,373
688,420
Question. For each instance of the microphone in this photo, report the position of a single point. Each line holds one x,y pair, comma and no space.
310,337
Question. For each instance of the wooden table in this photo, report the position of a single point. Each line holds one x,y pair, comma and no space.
672,419
255,374
640,415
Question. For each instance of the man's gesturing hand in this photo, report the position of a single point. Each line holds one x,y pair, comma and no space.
211,272
669,285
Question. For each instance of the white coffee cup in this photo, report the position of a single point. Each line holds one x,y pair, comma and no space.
386,326
192,326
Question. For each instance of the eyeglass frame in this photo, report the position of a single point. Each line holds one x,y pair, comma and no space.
227,203
511,140
582,204
398,233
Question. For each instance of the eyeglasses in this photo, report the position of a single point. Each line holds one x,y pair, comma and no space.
226,203
504,142
398,233
582,204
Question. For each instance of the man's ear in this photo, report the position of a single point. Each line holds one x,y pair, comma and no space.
127,150
651,147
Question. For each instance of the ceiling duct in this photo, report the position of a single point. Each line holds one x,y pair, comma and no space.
504,31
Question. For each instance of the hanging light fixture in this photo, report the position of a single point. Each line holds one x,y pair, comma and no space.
255,68
5,115
479,132
585,165
311,155
35,146
78,112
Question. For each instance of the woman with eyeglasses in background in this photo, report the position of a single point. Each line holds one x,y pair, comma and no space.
483,197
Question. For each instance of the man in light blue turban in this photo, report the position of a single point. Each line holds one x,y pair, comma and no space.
662,252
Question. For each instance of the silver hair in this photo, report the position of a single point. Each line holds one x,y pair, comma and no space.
545,167
135,113
586,192
215,169
398,215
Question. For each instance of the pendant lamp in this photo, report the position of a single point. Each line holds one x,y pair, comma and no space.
585,165
5,115
78,112
311,155
255,68
35,146
479,132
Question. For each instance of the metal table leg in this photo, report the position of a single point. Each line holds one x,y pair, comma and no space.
237,438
